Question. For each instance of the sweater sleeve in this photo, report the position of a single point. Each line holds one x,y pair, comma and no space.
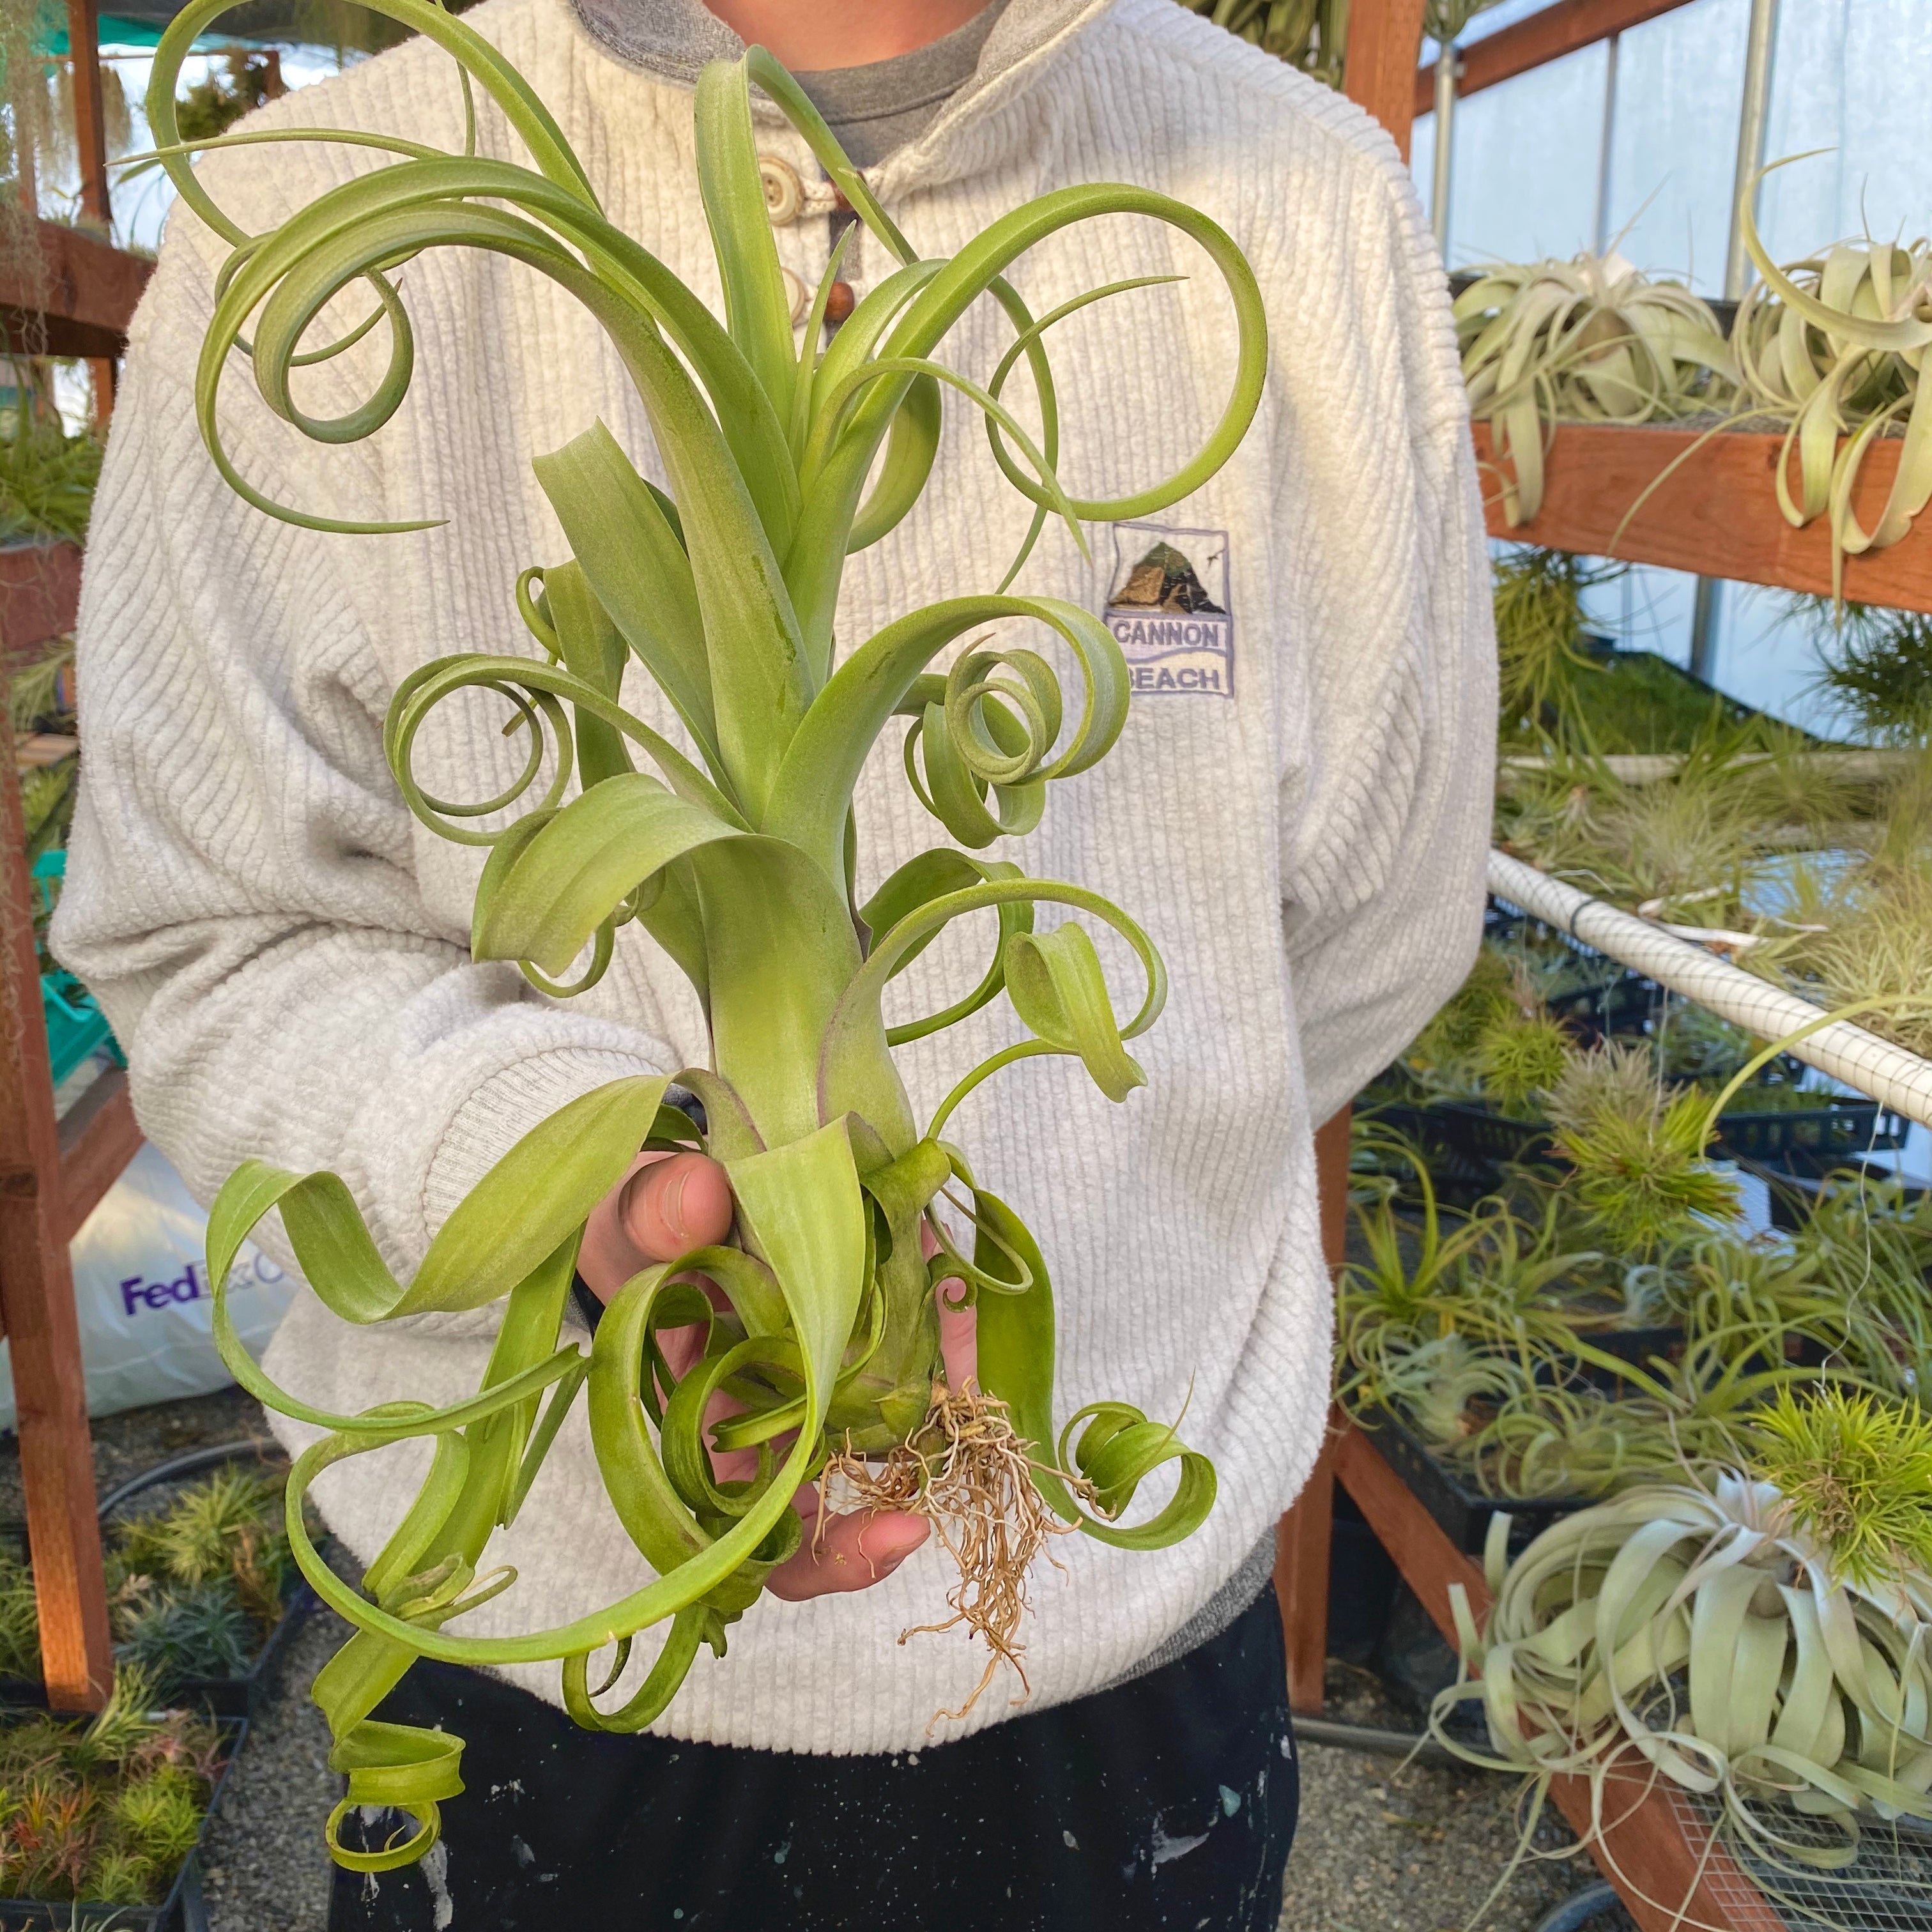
1385,821
244,893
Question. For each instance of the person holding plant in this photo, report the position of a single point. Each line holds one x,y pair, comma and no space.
1298,803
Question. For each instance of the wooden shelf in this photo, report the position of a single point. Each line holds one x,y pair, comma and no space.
1717,514
77,301
84,301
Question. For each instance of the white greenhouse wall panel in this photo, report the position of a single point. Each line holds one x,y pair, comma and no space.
1673,151
1852,76
1500,210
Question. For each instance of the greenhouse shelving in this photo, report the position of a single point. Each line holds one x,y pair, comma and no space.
1716,513
1900,1080
86,296
1546,35
54,1170
1667,1879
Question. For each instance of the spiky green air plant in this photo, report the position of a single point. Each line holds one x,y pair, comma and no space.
1858,1474
1638,1150
1587,340
1522,1056
1539,614
1876,664
1310,34
1837,345
740,864
1757,1634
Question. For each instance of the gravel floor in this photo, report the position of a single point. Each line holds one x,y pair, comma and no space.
1383,1847
1380,1848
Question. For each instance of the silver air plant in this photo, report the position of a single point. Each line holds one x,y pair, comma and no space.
1755,1635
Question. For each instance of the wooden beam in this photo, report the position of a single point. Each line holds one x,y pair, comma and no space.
1303,1537
1384,42
1302,1541
81,301
40,593
1716,513
98,1138
90,130
37,1307
1544,37
1667,1880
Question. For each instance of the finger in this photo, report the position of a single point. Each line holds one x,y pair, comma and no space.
958,1337
853,1552
681,1202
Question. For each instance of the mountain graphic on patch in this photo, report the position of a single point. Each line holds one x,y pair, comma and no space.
1164,580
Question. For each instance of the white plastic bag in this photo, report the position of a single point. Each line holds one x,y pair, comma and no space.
141,1289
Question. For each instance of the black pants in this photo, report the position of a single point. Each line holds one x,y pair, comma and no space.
1169,1801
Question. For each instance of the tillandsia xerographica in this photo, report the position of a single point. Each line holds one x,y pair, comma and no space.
740,862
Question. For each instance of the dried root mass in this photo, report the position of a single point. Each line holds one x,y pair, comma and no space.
968,1472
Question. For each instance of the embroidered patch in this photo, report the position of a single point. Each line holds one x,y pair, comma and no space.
1169,609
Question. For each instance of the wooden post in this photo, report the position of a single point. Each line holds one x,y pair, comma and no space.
1303,1537
37,1307
90,141
1384,50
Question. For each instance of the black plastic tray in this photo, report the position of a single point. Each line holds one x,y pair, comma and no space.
241,1696
1467,1145
1461,1513
184,1909
1793,1194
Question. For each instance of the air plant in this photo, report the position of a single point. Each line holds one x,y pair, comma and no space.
1310,34
1835,344
1875,663
1523,1057
105,1811
1703,844
1544,673
1753,1633
1494,1039
1497,1278
176,1636
47,480
20,1617
741,863
1638,1150
1590,340
1874,949
1441,1384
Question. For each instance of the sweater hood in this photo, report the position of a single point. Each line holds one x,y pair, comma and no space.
671,40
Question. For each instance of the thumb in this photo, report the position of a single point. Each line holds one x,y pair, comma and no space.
680,1202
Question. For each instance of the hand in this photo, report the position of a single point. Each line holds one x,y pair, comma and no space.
858,1550
665,1205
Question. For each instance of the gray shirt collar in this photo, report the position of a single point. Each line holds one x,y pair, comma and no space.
671,40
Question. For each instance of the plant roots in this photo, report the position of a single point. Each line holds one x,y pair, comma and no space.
967,1472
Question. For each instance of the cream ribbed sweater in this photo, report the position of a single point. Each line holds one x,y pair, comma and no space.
282,949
